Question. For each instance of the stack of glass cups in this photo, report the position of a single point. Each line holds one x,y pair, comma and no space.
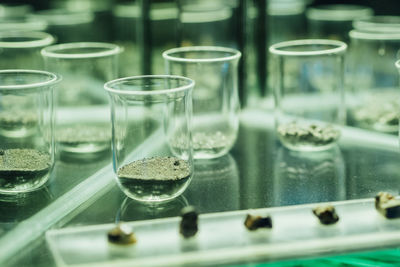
151,144
83,123
215,97
21,50
308,91
26,129
373,100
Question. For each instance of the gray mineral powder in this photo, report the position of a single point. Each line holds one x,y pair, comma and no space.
308,134
156,168
28,160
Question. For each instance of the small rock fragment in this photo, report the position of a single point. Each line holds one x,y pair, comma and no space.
253,222
387,205
188,226
122,235
326,214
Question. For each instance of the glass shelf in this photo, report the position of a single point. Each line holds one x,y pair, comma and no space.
257,174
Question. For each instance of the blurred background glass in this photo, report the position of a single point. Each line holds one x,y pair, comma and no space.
374,97
334,21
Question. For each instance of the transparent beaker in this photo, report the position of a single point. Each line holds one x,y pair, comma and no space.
309,92
215,97
82,118
151,144
21,50
26,129
373,99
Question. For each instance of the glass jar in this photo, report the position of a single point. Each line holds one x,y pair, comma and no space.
309,92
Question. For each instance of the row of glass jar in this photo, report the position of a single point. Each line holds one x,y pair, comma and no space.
159,124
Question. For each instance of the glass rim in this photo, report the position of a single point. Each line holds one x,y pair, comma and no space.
236,54
374,35
108,86
373,22
44,39
55,78
340,47
111,49
338,12
397,64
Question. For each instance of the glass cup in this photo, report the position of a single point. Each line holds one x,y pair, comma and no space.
309,92
373,102
215,97
21,50
26,129
82,118
151,144
373,99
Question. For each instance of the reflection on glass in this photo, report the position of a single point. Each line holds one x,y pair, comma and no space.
308,177
133,210
16,208
215,185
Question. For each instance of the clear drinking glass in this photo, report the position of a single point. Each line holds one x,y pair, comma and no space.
151,144
21,50
373,99
215,97
83,121
26,129
308,90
